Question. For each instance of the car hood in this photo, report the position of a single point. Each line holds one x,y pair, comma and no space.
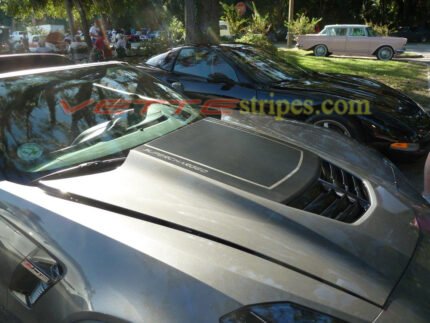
380,96
229,183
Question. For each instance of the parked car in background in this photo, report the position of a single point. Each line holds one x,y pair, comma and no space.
413,34
354,40
35,42
264,83
16,36
111,213
224,29
17,62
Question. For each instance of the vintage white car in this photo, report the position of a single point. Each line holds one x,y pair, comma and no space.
355,40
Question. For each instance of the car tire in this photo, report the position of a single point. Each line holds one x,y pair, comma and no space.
321,50
385,53
339,124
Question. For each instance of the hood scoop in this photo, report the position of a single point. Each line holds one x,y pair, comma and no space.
237,157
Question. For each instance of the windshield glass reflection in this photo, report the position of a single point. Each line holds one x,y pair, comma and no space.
54,120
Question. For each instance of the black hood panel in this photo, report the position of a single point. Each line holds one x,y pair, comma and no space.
246,160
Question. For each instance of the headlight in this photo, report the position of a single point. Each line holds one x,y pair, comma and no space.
277,313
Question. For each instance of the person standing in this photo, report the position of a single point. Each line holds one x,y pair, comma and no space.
94,31
121,47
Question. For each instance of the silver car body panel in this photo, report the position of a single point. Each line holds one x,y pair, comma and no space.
226,247
366,258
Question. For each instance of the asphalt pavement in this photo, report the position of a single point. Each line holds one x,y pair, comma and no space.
420,49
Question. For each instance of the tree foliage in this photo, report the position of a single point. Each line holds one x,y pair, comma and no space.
235,22
302,25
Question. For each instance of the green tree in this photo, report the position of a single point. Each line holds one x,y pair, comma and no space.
235,22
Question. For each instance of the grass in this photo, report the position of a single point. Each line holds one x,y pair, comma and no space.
410,78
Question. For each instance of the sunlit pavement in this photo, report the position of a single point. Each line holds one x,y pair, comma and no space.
420,49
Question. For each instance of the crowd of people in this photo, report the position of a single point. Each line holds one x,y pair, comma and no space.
102,42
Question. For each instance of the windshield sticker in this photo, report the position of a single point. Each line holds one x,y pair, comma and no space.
29,151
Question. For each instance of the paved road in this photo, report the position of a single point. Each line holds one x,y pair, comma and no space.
420,49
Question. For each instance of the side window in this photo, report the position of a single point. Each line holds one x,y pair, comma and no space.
357,32
203,62
330,32
163,61
341,31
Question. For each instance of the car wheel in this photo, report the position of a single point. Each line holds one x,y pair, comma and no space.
320,50
385,53
339,124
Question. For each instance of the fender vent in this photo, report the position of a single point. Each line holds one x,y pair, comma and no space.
336,194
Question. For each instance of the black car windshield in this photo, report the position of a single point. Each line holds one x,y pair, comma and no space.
265,67
55,120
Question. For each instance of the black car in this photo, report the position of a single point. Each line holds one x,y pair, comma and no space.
364,109
413,34
18,62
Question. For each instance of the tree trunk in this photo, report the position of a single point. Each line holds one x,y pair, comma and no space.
71,20
202,21
84,20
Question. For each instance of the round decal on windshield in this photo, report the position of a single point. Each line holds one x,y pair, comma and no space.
29,151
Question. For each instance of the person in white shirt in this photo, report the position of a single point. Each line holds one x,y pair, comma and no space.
94,31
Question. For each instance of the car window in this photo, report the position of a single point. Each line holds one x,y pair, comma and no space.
336,31
163,61
263,66
203,62
357,32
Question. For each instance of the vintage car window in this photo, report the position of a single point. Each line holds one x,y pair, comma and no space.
73,116
357,32
203,62
338,31
371,32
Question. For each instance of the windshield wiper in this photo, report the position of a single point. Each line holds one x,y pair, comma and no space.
87,168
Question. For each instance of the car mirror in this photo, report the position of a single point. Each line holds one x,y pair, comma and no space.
178,86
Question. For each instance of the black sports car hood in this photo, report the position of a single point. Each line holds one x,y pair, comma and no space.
232,183
351,87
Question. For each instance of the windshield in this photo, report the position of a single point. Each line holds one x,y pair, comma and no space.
265,67
56,120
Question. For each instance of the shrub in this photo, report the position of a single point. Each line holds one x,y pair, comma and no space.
380,30
236,24
258,40
302,25
176,31
150,47
259,24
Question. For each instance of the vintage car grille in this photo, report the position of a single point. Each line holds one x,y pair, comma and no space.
336,194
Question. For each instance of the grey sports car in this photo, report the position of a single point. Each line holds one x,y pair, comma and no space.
117,205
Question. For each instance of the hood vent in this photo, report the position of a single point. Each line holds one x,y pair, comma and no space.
336,194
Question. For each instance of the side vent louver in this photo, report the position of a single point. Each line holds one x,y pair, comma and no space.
336,194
